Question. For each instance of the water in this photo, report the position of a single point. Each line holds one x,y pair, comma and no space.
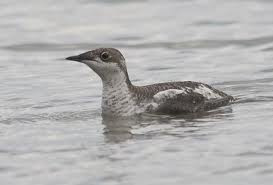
51,130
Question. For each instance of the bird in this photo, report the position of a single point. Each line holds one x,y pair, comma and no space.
121,98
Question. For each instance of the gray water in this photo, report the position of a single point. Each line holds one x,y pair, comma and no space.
51,128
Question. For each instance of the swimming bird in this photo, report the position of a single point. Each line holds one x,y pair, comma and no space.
121,98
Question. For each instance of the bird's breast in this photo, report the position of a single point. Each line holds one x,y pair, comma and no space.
119,101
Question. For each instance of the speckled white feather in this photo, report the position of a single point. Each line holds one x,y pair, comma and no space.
116,97
161,97
168,94
206,92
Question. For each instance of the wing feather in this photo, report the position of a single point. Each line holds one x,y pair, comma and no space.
174,101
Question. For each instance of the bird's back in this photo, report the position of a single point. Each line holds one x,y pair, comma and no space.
148,91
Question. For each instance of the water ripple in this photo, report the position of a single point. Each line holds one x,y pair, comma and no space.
201,44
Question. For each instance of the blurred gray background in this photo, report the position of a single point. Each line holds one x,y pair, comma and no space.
51,130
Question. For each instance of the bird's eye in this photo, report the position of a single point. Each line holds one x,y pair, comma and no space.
104,56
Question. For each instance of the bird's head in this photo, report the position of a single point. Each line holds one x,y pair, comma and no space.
108,63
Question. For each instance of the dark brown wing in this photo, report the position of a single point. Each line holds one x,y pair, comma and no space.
181,103
148,91
187,103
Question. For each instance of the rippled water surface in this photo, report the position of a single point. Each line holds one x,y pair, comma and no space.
51,130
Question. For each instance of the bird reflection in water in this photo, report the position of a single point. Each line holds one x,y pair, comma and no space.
118,130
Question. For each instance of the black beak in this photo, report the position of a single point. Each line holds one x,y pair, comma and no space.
81,57
77,58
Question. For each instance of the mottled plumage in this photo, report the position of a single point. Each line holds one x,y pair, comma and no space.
121,98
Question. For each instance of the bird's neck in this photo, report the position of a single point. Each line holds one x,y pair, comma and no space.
116,79
116,96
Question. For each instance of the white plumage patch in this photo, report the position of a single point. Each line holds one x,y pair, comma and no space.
206,92
168,94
